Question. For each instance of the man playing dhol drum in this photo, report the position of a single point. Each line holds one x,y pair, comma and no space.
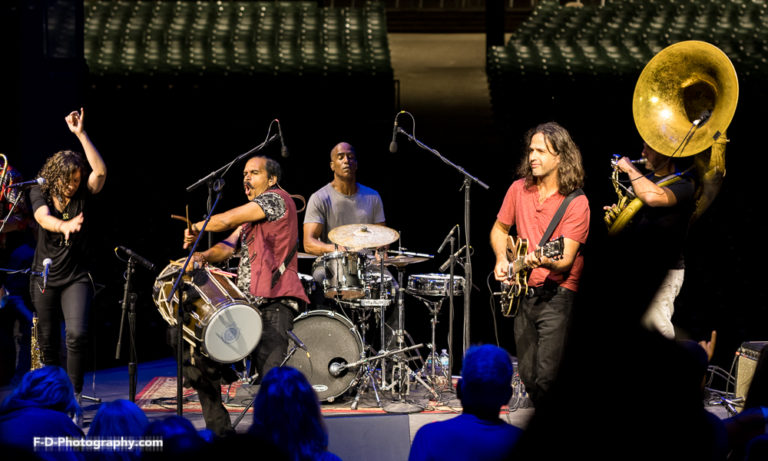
266,235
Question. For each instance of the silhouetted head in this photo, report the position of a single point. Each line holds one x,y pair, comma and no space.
118,418
286,412
47,387
486,378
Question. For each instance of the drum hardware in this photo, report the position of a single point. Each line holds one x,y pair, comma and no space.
401,372
337,368
434,308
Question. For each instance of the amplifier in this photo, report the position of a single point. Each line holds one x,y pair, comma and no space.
748,354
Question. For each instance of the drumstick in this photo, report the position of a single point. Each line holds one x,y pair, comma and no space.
181,218
189,223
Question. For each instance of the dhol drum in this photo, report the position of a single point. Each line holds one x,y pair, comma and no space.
373,285
434,284
343,274
330,339
220,320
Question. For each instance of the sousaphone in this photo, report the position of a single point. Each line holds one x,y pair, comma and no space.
684,101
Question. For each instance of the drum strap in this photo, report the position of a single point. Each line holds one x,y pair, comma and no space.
281,268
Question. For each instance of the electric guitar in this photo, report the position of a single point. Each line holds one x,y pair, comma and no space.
516,285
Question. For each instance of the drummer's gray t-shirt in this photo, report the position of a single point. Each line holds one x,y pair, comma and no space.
332,209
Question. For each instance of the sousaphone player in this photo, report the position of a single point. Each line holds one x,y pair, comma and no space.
683,102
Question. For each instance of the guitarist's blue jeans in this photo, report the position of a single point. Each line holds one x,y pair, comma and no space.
541,330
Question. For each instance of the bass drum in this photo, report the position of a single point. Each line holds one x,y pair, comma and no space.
330,338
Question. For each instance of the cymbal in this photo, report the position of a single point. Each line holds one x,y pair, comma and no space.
400,261
356,236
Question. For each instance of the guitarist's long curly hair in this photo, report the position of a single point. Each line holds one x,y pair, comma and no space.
570,172
57,170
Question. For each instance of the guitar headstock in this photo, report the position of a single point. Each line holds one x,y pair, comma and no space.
553,249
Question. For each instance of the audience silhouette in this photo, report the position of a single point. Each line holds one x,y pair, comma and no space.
287,413
42,405
114,420
478,433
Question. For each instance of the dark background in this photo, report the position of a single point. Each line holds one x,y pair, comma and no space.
159,138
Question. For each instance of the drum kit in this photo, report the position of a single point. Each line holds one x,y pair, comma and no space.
221,322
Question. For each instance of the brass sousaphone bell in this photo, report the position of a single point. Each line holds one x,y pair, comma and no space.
684,101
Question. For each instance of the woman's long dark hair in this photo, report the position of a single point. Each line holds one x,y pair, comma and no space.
57,170
287,413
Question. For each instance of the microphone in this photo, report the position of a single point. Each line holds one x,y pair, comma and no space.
448,261
25,184
297,341
46,269
447,238
143,261
283,149
393,144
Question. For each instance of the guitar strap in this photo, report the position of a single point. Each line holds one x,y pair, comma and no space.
559,215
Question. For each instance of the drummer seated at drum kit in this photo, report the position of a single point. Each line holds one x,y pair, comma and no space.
341,266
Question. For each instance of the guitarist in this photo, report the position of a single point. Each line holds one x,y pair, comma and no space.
550,172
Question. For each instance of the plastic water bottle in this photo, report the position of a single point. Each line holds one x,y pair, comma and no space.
445,362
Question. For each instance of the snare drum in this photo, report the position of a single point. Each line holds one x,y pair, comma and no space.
434,284
373,285
343,274
220,321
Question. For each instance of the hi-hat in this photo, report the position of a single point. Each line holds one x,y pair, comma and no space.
357,236
402,260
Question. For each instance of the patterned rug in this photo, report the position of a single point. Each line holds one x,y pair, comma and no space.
160,396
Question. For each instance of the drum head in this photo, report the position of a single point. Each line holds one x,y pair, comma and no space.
330,338
232,333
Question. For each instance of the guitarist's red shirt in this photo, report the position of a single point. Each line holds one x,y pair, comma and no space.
521,209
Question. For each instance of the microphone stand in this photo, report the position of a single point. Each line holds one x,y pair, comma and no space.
211,177
452,259
129,308
468,180
215,179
